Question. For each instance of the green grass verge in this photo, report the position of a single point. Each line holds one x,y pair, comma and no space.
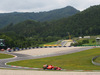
75,61
4,56
97,60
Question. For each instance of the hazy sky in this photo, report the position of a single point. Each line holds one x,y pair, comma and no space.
43,5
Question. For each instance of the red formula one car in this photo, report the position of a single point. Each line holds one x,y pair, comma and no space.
50,67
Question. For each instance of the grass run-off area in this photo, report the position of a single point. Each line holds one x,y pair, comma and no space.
75,61
97,60
4,56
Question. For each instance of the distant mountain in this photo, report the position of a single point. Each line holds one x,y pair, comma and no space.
16,17
86,22
32,33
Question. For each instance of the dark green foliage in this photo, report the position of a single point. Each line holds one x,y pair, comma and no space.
77,44
84,23
14,40
85,41
93,41
80,43
15,17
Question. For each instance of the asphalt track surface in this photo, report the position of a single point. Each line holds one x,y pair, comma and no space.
24,57
36,72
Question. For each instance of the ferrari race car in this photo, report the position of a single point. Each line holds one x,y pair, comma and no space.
50,67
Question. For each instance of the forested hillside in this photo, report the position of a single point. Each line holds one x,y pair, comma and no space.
86,22
16,17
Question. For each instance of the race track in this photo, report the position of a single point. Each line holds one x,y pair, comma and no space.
23,55
36,53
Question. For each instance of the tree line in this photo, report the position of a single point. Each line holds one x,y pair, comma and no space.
33,33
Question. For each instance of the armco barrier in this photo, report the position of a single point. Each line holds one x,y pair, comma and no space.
32,47
14,49
41,47
95,63
18,49
9,50
89,46
25,48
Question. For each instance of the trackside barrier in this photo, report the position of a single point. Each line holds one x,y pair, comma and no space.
93,61
33,47
18,49
14,49
9,50
25,48
40,47
89,46
29,48
22,48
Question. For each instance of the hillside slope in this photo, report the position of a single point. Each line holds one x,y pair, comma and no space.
86,22
16,17
33,33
